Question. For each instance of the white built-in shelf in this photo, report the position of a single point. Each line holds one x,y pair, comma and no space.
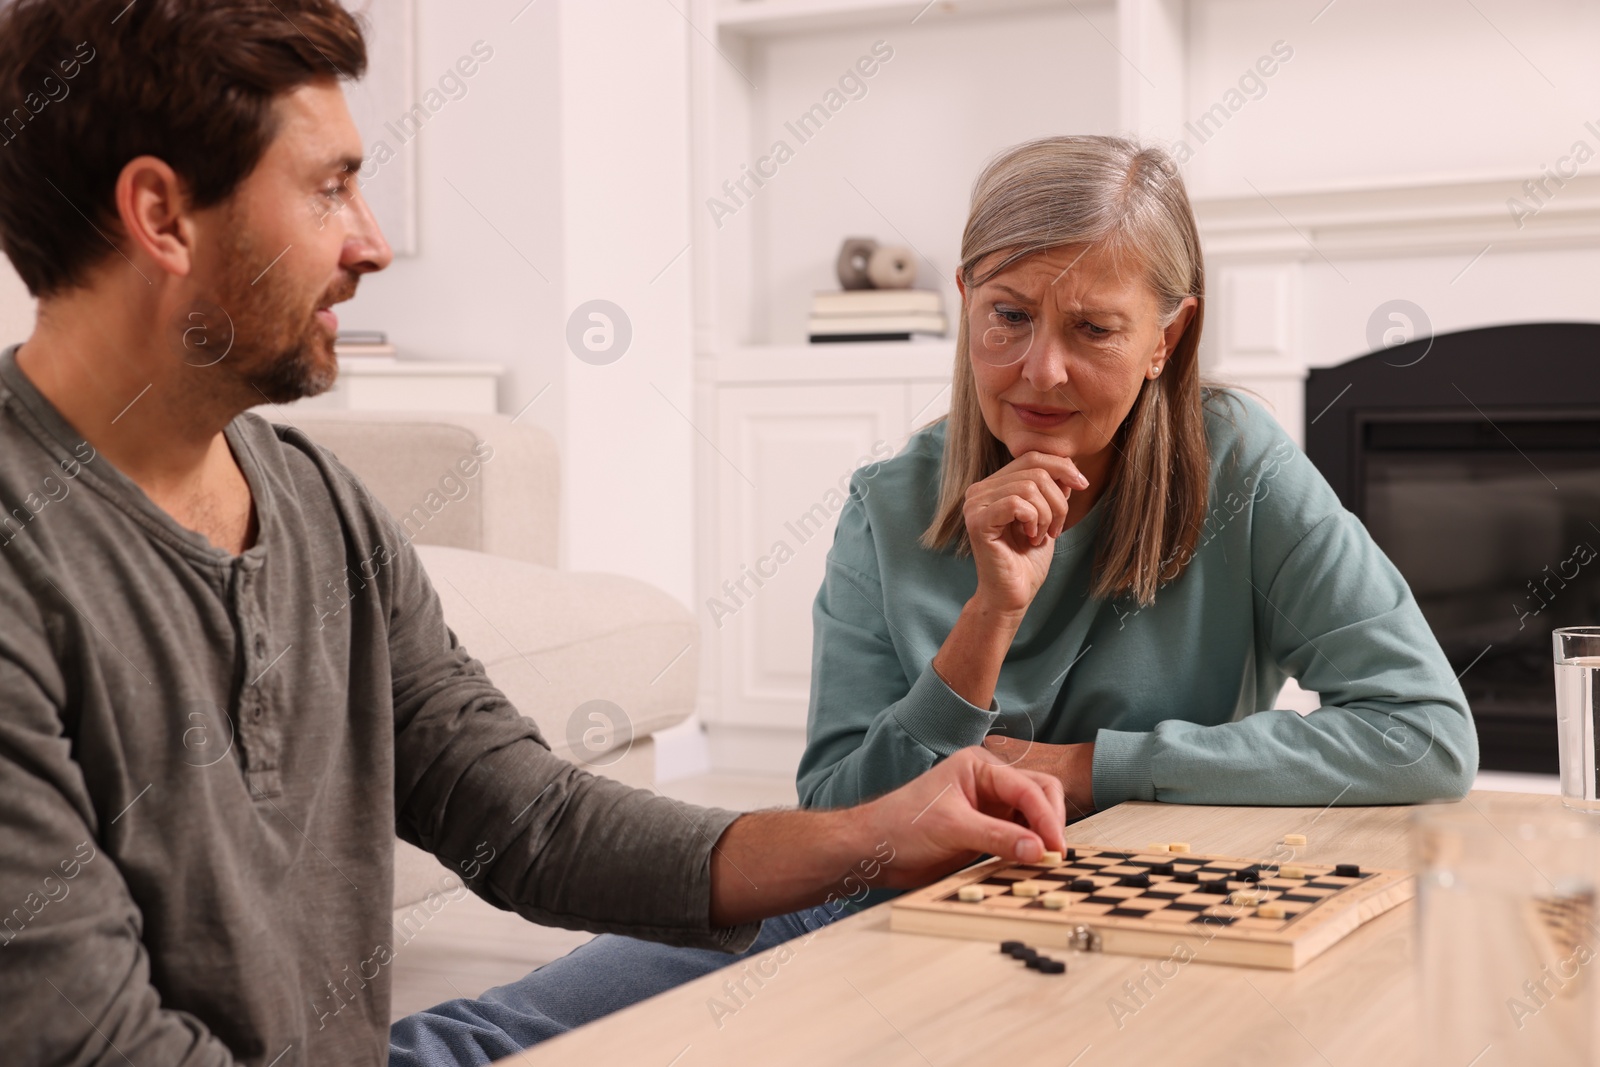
876,170
359,367
404,385
874,361
767,18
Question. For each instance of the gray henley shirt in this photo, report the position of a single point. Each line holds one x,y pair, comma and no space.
202,772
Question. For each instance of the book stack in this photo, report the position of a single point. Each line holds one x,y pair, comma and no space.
875,315
364,346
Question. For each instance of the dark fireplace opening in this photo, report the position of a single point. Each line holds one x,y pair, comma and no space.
1474,461
1499,548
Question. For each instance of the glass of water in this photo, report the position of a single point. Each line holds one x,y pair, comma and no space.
1577,650
1506,933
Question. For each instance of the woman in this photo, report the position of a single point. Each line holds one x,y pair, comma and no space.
1093,565
1103,569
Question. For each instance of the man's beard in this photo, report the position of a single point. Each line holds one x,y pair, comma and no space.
277,350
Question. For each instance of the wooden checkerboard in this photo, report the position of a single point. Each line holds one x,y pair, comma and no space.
1146,903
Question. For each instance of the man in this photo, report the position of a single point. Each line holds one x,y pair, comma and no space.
203,771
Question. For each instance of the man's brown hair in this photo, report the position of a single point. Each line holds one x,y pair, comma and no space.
88,85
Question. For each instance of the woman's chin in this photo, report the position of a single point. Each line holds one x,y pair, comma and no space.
1020,440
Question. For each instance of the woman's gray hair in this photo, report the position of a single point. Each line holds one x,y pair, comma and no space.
1106,192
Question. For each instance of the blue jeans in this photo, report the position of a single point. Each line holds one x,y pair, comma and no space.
593,980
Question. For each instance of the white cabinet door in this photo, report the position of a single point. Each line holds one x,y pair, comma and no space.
790,451
926,402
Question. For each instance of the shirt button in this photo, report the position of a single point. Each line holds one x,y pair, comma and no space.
255,713
261,646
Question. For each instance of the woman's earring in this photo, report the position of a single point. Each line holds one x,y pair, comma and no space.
1156,371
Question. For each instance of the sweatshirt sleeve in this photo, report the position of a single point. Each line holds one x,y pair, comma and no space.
873,726
477,785
1335,613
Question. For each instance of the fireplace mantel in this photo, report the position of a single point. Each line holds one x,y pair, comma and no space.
1261,247
1426,218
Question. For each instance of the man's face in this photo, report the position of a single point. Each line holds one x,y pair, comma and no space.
273,259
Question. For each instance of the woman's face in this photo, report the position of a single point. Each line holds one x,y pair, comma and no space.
1060,344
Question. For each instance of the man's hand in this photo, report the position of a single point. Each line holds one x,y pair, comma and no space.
970,804
1070,765
775,862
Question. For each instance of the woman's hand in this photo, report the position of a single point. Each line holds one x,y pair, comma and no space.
1071,765
1013,518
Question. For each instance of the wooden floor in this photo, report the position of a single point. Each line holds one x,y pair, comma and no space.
468,946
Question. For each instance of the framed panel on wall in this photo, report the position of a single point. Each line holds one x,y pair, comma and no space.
380,104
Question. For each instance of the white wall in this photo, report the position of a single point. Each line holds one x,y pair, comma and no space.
561,178
628,446
16,307
1381,92
489,209
569,159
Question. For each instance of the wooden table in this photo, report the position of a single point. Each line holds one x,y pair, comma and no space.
855,993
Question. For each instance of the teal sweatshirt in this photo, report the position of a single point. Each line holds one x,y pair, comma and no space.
1177,697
